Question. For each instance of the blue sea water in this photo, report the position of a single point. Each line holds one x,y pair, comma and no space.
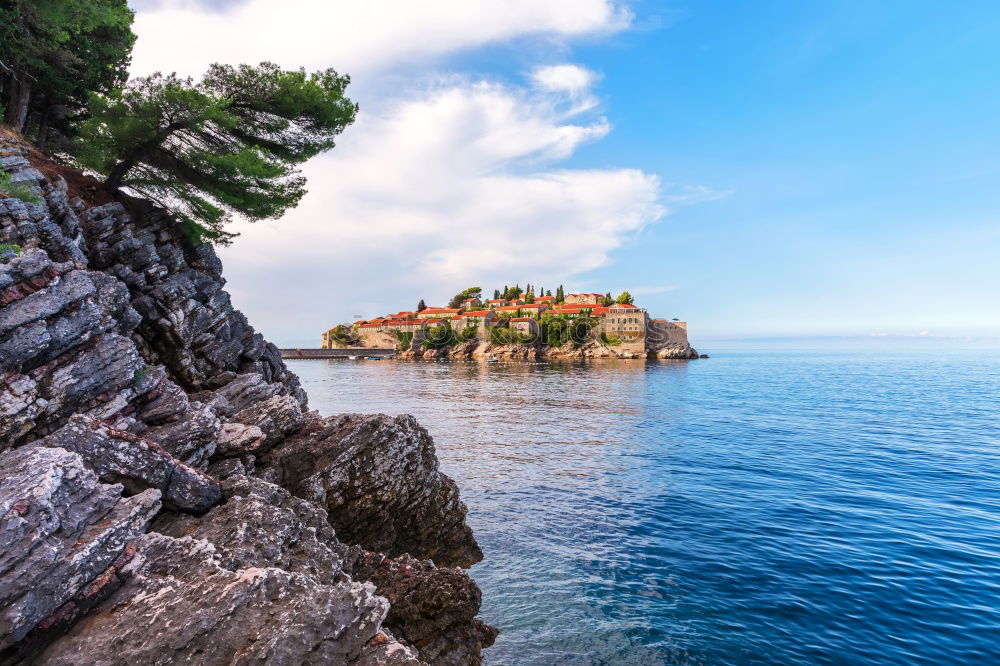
758,507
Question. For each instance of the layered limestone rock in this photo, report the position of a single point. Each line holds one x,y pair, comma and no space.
378,478
64,540
213,615
132,391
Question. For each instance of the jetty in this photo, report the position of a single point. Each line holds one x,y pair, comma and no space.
347,353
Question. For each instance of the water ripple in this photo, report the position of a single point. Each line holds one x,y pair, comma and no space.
791,508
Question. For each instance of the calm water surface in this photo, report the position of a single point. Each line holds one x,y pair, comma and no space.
752,508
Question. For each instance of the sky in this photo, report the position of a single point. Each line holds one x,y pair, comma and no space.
766,170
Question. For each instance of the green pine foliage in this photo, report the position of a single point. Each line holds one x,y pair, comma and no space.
421,306
471,292
53,54
624,298
228,145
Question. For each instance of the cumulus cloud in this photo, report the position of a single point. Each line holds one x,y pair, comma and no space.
455,187
571,78
356,37
444,182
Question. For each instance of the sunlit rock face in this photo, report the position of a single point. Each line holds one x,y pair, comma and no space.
164,495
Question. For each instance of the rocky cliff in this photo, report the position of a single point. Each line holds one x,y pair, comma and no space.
166,497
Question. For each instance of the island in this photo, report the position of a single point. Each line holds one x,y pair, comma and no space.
520,324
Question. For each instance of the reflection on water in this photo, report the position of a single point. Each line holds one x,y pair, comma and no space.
794,509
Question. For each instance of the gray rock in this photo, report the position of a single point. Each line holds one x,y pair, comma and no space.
180,605
433,609
247,390
61,532
135,462
236,439
276,417
262,525
378,479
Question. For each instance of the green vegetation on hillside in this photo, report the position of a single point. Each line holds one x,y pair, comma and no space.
556,331
21,191
404,338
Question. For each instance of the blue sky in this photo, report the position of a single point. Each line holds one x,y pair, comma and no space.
769,169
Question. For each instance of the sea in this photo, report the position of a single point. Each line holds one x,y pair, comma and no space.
762,506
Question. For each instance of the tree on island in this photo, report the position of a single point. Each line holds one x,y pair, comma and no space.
227,145
530,298
510,293
496,294
624,298
421,306
54,53
560,295
471,292
607,300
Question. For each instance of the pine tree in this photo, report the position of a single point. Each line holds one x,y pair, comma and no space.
53,53
496,294
625,298
230,144
560,295
421,306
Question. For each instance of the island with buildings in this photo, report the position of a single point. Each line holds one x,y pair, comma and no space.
518,324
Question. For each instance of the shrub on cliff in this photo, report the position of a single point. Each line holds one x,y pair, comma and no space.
228,145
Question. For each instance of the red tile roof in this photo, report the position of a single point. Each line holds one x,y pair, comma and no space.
478,313
521,319
510,307
440,311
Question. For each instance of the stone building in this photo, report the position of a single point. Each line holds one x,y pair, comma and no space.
524,325
438,313
578,299
625,323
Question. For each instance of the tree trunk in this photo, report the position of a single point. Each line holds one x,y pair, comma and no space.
17,103
43,127
114,181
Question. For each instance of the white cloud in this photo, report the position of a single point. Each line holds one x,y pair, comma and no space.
569,78
441,183
441,191
355,37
